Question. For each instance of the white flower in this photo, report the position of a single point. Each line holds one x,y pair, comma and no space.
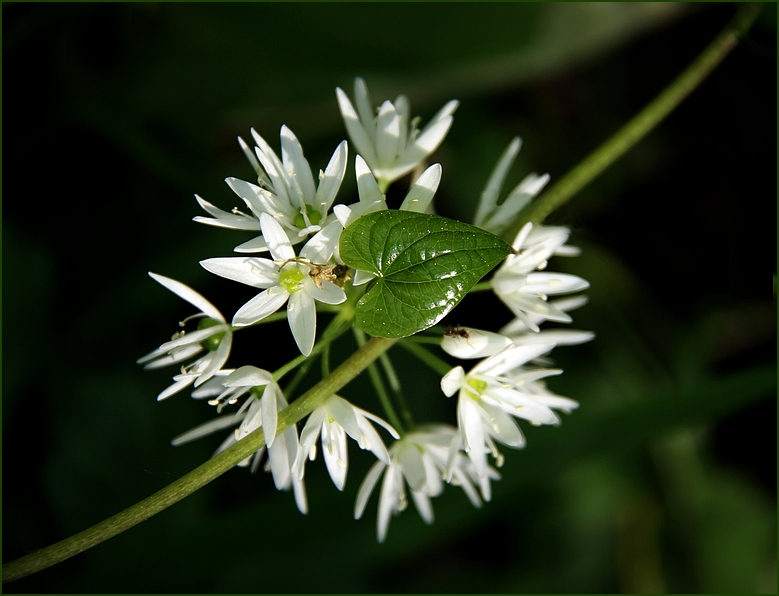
334,420
523,289
389,140
496,218
489,396
285,190
257,412
213,334
520,334
425,460
285,280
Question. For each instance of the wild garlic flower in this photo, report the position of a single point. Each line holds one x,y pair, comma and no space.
489,397
389,139
496,218
213,334
525,290
424,459
285,189
334,420
260,410
287,279
520,334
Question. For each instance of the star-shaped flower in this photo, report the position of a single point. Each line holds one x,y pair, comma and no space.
286,279
390,141
213,334
285,190
258,411
522,288
425,460
334,420
489,396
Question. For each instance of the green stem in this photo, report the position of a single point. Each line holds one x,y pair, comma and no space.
582,175
378,385
433,361
482,286
630,134
201,475
397,389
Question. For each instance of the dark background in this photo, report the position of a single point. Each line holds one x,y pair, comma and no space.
116,114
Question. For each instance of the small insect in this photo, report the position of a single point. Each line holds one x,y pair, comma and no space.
337,274
457,332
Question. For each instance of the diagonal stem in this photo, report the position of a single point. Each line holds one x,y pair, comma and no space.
201,475
644,122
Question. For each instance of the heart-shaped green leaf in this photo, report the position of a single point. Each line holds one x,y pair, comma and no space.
425,264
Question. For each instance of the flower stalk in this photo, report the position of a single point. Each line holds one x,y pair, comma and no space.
201,475
567,187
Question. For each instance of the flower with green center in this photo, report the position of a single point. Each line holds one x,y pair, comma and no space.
389,139
494,391
285,189
334,420
213,334
285,280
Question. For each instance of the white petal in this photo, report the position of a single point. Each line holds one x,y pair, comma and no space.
257,244
424,145
277,239
252,271
322,245
343,213
362,277
248,376
502,427
505,281
218,358
472,433
207,428
420,195
366,488
452,381
179,385
295,163
387,134
344,414
554,283
367,186
301,313
388,500
269,414
510,359
423,505
259,307
328,294
331,181
357,133
337,459
489,196
190,295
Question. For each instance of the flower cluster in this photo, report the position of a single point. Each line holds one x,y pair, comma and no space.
300,217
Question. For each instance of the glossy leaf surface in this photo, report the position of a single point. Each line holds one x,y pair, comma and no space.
424,264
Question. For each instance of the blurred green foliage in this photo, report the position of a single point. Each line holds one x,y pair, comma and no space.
663,480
